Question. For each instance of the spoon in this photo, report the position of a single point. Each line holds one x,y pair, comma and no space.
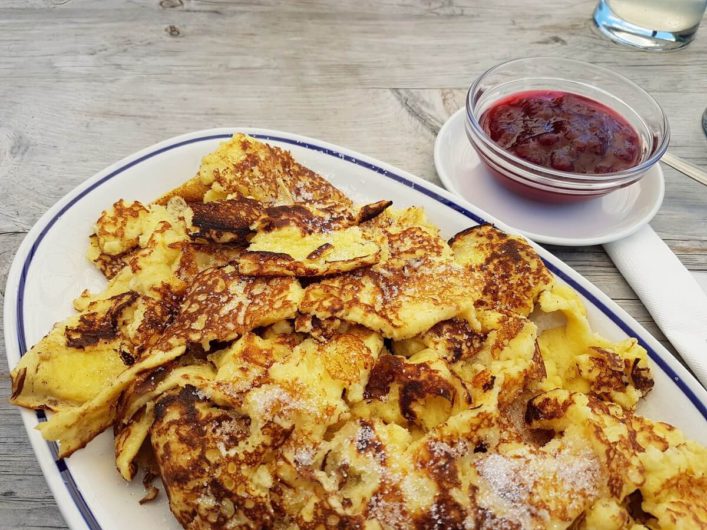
685,167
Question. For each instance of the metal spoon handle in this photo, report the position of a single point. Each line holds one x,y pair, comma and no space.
685,167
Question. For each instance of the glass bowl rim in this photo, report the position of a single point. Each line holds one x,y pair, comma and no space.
567,176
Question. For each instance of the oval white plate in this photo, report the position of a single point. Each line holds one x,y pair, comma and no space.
593,222
49,270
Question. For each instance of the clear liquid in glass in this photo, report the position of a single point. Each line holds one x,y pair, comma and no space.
650,24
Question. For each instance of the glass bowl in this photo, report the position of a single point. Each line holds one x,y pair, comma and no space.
624,97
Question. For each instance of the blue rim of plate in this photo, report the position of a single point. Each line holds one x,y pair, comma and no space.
64,471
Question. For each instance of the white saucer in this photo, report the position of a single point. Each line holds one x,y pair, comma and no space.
593,222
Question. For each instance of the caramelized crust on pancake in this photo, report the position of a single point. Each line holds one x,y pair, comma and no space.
242,167
245,167
496,356
227,221
150,267
109,265
454,339
119,228
236,221
195,258
636,455
76,359
415,285
508,362
424,390
400,301
284,402
135,410
245,304
513,275
221,305
210,482
245,364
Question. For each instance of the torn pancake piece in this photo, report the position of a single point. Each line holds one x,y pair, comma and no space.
118,229
308,390
497,361
342,363
220,464
415,284
228,221
197,257
419,391
244,303
309,220
286,252
236,221
408,234
521,486
222,305
129,439
636,455
243,168
215,466
135,410
76,359
512,273
74,427
152,264
244,364
381,300
354,478
454,339
580,360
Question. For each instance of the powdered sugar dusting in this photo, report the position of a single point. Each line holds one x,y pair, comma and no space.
518,486
273,400
304,456
390,513
439,448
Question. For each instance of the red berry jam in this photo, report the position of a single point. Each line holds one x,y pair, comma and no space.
563,131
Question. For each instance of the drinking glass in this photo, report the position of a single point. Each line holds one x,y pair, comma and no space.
656,25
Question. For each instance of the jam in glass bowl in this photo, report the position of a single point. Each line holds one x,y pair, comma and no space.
561,130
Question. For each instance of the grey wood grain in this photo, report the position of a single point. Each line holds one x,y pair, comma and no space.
86,82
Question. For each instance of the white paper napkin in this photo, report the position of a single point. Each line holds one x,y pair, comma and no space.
671,294
701,277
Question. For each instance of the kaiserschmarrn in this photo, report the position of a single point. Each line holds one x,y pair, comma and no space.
284,358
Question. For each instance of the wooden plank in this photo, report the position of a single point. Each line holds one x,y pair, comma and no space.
282,46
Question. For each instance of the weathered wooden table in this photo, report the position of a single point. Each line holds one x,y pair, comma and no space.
84,83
